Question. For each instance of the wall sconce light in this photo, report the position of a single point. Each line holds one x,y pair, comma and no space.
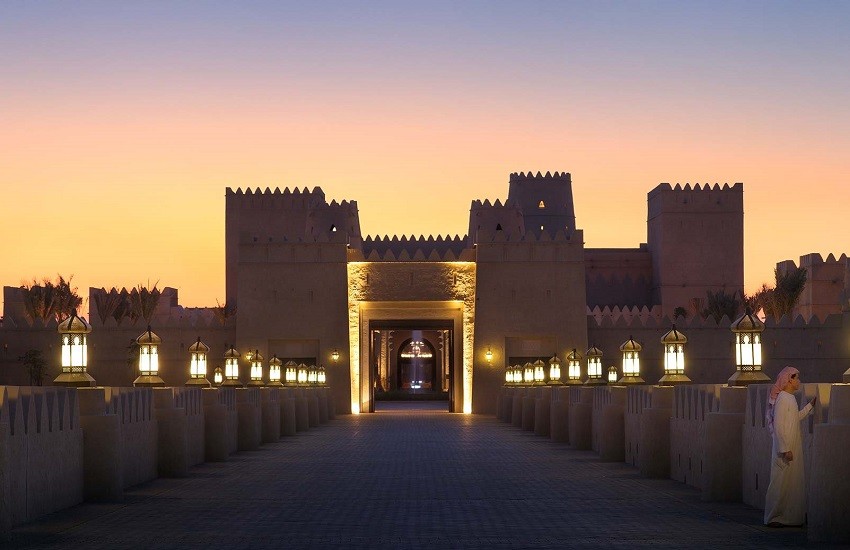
489,356
335,355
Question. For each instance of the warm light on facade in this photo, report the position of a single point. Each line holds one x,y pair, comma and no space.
631,362
148,343
73,333
594,366
198,364
747,330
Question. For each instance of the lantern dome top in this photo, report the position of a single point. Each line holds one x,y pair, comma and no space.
231,353
538,362
290,363
574,356
148,337
255,356
199,347
593,351
554,360
747,323
74,325
630,345
274,361
673,336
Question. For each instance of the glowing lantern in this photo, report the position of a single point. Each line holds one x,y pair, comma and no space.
312,375
539,373
302,374
290,373
554,370
256,368
528,374
322,376
612,374
198,364
747,330
218,377
73,333
274,371
631,362
594,366
573,368
148,343
674,358
231,368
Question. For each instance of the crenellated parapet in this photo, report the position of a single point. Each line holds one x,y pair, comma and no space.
827,289
504,217
416,249
273,199
546,200
684,198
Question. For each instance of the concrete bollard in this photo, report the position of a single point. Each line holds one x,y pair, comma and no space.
287,416
302,411
581,418
323,406
216,424
516,408
103,477
829,519
612,424
722,481
542,411
654,440
250,418
270,411
507,406
172,435
528,402
313,407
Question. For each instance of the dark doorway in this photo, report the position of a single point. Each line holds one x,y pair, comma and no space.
411,360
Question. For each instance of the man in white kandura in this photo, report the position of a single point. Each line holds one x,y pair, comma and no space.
785,502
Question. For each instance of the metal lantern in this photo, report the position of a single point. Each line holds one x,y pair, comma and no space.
554,370
674,358
322,376
218,376
335,355
489,356
528,374
747,330
594,366
539,373
312,375
631,362
231,368
573,368
274,371
612,374
509,375
517,377
73,333
302,374
290,373
256,368
148,343
198,364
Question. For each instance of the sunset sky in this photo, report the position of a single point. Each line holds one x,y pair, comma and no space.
122,123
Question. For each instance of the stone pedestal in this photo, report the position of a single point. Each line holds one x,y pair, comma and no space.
250,421
581,417
722,480
103,467
528,402
516,408
612,425
270,410
287,416
542,412
654,441
172,435
829,490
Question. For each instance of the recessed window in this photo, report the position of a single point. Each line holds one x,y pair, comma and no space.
541,205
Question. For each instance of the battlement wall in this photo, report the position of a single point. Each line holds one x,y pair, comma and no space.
417,249
618,276
702,197
827,289
546,201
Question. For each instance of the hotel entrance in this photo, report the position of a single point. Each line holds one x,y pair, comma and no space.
411,360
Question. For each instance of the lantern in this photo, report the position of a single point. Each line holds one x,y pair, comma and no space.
231,368
631,362
256,368
489,356
573,368
594,366
554,370
148,343
509,375
539,373
274,371
73,333
747,330
302,374
312,375
218,377
528,374
322,376
198,364
612,374
290,373
335,355
674,358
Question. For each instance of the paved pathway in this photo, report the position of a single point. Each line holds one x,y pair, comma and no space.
408,479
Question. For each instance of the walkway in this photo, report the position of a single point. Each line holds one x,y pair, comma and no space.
408,479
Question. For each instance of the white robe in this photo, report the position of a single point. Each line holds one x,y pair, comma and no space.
785,501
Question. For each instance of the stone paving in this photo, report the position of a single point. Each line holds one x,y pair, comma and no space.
408,478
